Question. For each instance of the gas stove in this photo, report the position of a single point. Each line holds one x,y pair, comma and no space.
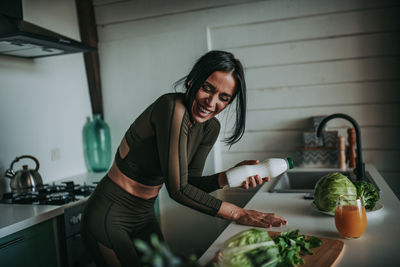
54,194
69,244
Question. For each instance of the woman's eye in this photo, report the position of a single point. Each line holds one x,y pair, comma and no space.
224,99
206,88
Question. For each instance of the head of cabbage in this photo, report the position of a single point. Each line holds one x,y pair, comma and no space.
329,188
249,248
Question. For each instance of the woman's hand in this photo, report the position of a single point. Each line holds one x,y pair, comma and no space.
254,180
258,219
239,215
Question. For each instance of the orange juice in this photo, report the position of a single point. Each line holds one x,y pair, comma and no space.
350,220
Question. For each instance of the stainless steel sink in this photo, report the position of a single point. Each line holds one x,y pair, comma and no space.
300,181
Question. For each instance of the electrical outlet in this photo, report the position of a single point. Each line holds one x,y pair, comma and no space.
55,154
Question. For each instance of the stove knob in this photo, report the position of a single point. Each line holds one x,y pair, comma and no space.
72,220
75,219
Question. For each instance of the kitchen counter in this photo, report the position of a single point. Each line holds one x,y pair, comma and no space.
16,217
379,245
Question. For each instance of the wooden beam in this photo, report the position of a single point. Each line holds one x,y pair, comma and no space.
88,31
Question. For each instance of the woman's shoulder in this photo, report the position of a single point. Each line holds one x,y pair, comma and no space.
171,96
212,125
169,103
169,99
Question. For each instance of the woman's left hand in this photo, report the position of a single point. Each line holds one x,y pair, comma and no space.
254,180
257,218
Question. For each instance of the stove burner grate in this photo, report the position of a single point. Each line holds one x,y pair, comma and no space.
55,194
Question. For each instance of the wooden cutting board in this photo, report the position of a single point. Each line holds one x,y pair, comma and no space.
325,255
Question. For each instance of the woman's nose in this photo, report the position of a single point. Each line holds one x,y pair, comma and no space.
211,100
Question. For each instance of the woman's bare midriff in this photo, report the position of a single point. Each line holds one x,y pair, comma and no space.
131,186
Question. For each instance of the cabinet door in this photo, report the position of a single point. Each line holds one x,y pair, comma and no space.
34,246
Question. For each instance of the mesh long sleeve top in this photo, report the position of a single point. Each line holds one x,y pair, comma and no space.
164,148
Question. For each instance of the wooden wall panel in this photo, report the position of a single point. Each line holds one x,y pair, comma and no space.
317,50
372,115
347,93
144,9
366,69
115,11
267,141
305,27
384,138
342,60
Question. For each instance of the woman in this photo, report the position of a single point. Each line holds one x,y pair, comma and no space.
169,143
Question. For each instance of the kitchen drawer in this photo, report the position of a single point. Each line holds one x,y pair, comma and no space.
34,246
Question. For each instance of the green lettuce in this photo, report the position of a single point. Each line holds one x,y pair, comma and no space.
329,188
252,247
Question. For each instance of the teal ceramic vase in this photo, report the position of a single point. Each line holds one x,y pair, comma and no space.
97,144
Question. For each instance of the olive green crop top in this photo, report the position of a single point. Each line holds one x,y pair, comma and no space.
163,148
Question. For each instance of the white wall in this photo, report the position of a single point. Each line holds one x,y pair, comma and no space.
303,58
44,102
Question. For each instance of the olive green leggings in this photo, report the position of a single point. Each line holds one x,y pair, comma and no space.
111,220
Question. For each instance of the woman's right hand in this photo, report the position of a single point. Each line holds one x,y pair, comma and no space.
258,219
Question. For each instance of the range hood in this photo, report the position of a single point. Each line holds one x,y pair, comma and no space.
21,38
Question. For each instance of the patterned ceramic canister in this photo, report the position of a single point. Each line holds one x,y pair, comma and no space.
315,121
318,157
310,139
330,138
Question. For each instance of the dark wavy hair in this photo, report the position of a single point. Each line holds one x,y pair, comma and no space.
205,66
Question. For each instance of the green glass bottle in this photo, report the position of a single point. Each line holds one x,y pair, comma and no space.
97,144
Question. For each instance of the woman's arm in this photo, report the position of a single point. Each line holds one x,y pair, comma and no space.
239,215
171,126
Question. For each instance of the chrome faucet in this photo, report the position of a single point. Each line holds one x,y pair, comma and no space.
359,171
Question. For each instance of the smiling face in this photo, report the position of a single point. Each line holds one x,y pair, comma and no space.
213,96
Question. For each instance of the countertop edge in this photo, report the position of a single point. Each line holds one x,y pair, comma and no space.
53,211
21,225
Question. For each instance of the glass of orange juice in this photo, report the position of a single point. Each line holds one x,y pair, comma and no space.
350,216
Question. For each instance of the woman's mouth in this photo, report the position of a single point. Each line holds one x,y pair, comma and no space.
203,112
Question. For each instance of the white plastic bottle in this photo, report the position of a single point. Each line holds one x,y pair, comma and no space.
268,168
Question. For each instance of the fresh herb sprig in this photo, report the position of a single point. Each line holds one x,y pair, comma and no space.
292,246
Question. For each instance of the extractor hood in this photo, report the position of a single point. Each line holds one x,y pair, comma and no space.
21,38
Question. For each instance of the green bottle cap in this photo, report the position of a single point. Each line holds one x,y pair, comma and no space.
290,163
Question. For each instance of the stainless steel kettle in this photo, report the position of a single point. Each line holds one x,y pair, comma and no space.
25,180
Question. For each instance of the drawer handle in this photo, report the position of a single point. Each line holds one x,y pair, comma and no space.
13,241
